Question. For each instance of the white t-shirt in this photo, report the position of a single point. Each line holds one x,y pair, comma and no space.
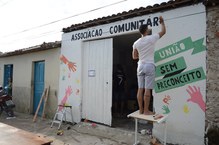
145,46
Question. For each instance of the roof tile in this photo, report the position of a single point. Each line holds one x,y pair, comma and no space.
137,12
44,46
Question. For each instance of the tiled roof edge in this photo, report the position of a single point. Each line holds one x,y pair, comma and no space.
42,47
172,4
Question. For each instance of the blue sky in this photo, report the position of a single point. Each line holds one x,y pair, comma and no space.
26,23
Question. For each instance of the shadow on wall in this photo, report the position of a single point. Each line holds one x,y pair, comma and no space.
212,136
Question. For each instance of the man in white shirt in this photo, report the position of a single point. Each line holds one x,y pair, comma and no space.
143,49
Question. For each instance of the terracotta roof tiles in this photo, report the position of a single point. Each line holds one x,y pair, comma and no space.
44,46
172,4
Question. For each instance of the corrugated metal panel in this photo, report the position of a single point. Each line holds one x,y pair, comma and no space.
97,81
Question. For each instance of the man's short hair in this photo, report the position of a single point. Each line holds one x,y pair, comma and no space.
143,28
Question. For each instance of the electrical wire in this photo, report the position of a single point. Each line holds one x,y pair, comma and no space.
55,31
56,21
5,3
44,34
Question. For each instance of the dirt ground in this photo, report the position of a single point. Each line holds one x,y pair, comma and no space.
83,133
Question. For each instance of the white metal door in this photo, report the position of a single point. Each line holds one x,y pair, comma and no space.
97,81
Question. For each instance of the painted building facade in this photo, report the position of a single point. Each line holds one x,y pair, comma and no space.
88,56
186,82
32,70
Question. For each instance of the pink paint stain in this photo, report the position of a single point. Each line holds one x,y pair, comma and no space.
68,92
77,92
166,99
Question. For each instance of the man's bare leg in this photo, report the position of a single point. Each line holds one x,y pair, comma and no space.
147,97
140,100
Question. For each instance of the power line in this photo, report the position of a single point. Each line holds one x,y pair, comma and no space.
5,3
56,21
43,34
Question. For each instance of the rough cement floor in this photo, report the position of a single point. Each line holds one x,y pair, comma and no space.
83,133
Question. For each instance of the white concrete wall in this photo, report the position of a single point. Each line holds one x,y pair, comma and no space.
23,78
182,100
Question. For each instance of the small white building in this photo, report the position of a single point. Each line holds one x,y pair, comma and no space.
90,50
31,70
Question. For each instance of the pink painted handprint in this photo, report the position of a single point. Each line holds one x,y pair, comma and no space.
68,92
196,97
71,65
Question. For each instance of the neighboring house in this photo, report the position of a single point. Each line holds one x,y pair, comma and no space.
90,51
31,70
